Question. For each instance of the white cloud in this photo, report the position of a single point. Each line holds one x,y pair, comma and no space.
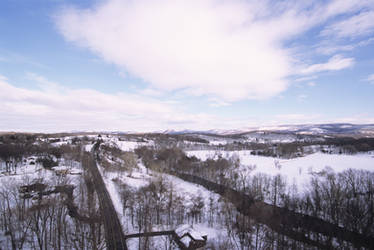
217,46
3,78
150,92
305,78
337,62
311,84
358,25
215,102
228,49
331,46
331,49
370,78
301,97
45,84
337,7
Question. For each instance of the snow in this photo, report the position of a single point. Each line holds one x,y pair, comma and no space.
189,190
75,171
88,147
138,178
211,232
60,168
216,143
129,145
182,230
186,240
297,170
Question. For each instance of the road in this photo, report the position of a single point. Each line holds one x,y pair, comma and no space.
114,237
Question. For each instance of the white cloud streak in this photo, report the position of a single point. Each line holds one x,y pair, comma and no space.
337,62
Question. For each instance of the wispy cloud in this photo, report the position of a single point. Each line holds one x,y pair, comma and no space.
302,97
358,25
3,78
311,84
150,92
215,102
302,118
16,58
370,78
45,84
337,62
306,78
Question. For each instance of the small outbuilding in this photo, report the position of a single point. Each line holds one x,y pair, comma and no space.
191,238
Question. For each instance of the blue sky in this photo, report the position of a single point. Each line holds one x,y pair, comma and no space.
172,64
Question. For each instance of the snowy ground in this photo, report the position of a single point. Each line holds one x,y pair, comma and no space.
30,171
127,145
297,170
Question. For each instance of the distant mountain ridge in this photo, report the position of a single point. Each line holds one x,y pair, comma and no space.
312,129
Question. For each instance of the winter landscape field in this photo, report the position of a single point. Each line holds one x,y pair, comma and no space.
186,124
219,188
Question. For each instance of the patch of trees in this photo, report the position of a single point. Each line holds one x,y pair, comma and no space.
114,159
18,138
160,205
352,145
13,155
193,139
51,221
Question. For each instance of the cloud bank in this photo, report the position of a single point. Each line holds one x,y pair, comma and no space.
54,108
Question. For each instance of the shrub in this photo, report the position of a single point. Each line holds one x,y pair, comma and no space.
47,162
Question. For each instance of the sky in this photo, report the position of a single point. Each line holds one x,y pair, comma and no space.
154,65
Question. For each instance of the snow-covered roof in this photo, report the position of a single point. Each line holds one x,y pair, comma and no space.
188,230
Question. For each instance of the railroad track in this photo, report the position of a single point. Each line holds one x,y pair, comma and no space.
114,236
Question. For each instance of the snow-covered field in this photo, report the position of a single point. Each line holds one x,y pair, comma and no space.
297,170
